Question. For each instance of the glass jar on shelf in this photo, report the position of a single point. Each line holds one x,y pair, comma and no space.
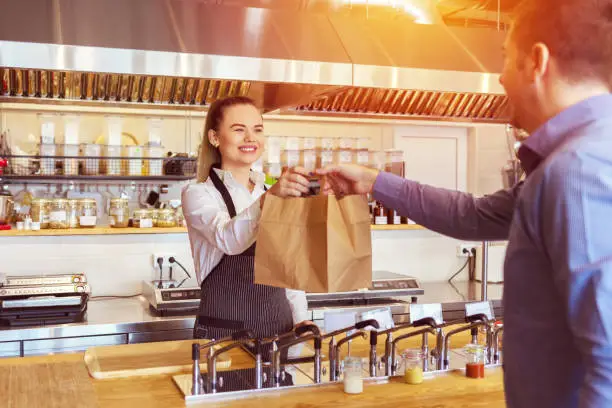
143,218
58,214
166,218
40,212
87,210
119,216
72,214
154,216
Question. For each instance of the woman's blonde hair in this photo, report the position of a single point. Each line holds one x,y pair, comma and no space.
209,154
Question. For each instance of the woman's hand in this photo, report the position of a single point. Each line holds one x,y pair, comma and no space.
292,183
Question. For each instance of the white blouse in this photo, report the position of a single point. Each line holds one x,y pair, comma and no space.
213,233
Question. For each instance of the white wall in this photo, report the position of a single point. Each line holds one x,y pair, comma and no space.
117,264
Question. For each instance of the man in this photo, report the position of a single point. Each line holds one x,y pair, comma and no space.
558,268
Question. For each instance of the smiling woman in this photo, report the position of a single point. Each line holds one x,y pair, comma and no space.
222,212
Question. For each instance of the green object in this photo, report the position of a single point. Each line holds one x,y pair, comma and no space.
270,181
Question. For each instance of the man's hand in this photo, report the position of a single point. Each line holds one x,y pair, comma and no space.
348,179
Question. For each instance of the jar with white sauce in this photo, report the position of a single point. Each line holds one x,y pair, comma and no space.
353,375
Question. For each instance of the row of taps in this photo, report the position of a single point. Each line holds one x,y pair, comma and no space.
426,326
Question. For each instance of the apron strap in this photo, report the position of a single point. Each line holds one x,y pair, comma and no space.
227,198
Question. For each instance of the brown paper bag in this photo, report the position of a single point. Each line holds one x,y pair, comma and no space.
316,244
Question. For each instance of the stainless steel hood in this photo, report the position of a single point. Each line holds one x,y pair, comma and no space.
189,52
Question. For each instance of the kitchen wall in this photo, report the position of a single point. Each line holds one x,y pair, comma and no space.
116,264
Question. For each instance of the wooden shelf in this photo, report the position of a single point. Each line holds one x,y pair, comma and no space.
397,227
136,231
92,231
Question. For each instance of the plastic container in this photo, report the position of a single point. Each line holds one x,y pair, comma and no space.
475,365
412,360
91,161
47,161
87,209
72,214
112,162
353,375
155,160
119,216
71,164
134,162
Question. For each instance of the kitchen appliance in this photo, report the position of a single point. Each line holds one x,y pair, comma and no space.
43,300
170,300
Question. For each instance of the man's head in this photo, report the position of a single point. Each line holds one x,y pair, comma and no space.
557,53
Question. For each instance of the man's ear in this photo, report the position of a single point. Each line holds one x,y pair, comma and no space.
539,61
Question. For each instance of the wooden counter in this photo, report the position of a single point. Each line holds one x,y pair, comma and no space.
452,389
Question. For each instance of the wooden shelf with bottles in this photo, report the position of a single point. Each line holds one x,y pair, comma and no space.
146,231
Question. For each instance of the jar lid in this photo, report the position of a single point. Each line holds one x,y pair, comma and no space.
141,212
166,211
118,200
87,201
474,348
41,200
60,201
413,354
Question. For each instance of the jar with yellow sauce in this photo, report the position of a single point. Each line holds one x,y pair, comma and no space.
412,360
166,218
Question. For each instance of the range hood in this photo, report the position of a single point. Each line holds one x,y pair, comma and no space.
187,53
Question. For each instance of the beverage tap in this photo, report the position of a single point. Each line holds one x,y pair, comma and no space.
474,322
315,335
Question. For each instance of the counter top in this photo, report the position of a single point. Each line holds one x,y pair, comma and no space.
127,315
448,389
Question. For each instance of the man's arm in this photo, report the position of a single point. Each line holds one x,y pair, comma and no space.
576,211
458,215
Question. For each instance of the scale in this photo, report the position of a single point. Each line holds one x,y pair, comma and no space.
170,300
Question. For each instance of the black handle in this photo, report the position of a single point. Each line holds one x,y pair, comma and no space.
366,323
195,351
373,338
318,343
478,317
474,331
426,321
243,334
312,328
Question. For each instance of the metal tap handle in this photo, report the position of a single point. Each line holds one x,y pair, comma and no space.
309,328
426,321
366,323
478,317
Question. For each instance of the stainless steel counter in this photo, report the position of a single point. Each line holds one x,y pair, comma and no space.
123,321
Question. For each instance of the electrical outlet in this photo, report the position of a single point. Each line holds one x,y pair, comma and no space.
464,250
165,257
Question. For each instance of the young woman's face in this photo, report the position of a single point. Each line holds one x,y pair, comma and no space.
240,137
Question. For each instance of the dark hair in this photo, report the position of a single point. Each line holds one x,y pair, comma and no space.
577,32
209,154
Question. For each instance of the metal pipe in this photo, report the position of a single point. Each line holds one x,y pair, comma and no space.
196,378
485,271
425,351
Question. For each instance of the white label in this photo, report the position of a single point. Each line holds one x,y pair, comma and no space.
47,132
293,158
333,321
87,220
475,308
146,223
421,311
383,316
346,156
363,157
57,216
397,219
380,220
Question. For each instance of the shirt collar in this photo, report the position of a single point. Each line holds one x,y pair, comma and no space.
552,134
258,178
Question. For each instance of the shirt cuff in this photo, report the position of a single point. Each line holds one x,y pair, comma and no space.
253,213
387,187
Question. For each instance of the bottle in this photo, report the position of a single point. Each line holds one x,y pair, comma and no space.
393,218
380,214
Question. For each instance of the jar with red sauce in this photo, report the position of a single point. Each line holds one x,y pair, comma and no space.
476,357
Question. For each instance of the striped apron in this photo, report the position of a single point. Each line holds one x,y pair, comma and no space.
230,300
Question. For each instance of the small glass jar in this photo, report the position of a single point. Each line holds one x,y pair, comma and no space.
353,375
154,216
87,210
474,367
40,212
142,218
58,214
166,218
119,215
412,360
72,214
